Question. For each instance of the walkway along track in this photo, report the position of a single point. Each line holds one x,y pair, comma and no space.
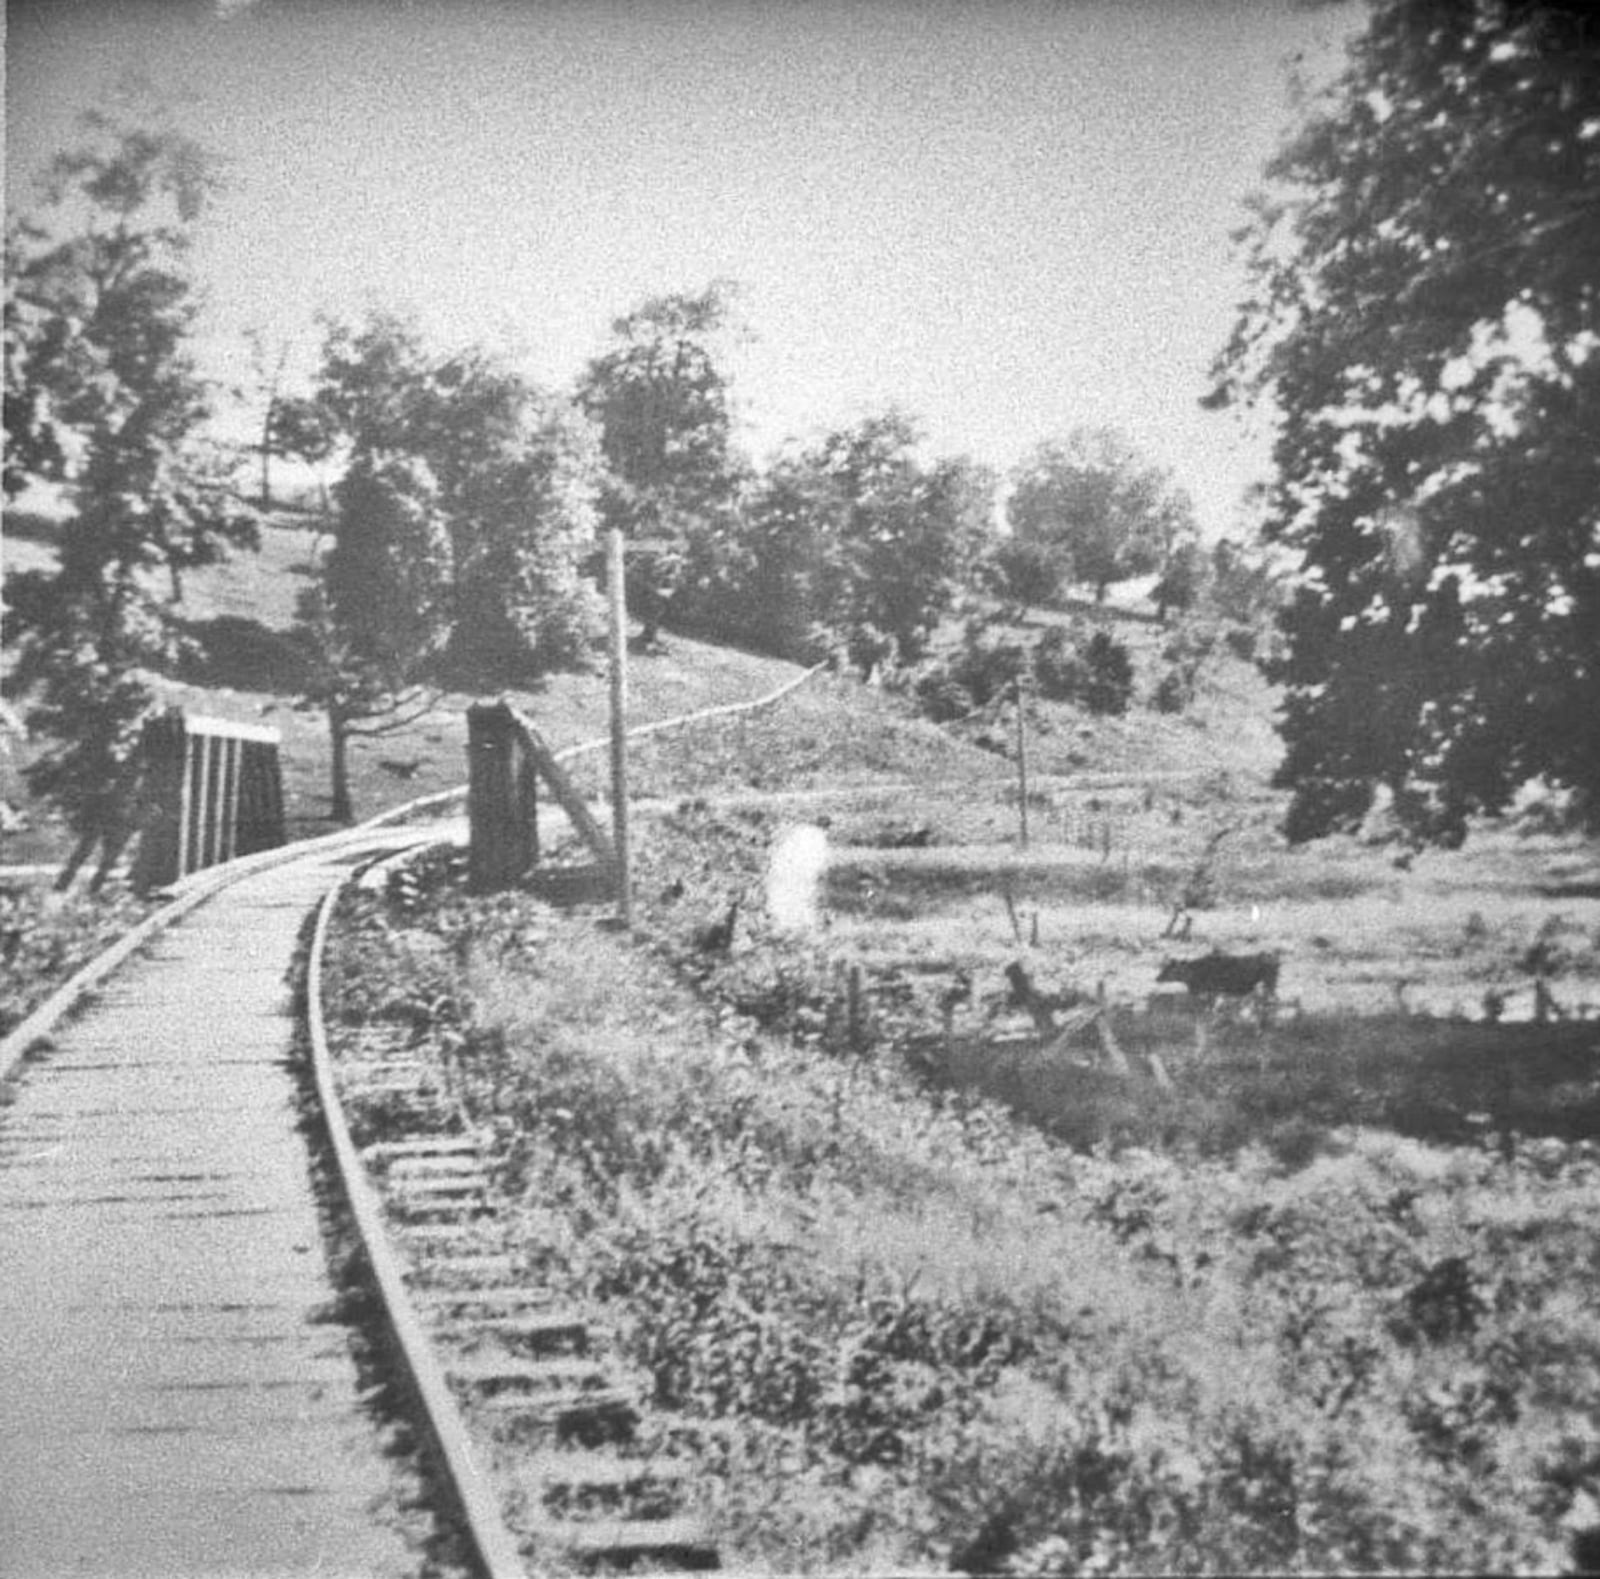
181,1393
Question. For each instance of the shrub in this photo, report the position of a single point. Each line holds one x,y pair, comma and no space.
942,697
1109,686
1058,666
1172,694
1241,641
987,665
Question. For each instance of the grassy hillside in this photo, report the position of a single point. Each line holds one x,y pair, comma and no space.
236,610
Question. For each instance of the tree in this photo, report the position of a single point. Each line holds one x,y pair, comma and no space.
292,426
1183,577
103,400
781,591
516,469
268,364
1242,587
298,428
1108,685
859,543
1424,276
1027,572
1092,499
376,384
912,533
520,472
662,399
379,610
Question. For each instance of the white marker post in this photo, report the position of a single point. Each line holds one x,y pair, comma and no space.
619,724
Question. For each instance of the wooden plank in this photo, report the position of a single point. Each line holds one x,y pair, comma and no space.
565,791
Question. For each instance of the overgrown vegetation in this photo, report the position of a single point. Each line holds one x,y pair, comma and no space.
899,1329
1092,670
46,936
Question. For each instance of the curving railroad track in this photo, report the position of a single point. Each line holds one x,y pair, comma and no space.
534,1426
201,1375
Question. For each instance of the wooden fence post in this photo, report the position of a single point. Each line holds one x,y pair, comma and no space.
502,813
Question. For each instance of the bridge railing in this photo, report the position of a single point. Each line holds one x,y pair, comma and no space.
215,790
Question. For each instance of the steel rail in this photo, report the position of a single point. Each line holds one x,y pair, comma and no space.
493,1548
188,894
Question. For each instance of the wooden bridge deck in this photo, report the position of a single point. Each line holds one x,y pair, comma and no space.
178,1394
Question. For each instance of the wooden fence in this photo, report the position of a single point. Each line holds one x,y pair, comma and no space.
507,756
215,791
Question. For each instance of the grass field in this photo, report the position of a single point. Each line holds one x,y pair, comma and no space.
1319,1310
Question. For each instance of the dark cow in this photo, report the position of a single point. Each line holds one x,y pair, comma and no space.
1218,975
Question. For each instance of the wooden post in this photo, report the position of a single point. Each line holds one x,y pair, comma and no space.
1022,761
206,808
542,760
855,1013
619,725
160,854
498,854
186,800
232,755
525,786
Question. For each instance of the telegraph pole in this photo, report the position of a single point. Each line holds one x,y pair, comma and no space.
1022,759
619,724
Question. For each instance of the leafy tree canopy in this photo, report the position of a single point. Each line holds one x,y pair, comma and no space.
1096,502
1027,572
886,540
1424,273
516,471
1182,578
662,398
521,474
103,400
377,388
379,611
663,402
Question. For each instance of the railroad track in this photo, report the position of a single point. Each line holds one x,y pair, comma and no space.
534,1424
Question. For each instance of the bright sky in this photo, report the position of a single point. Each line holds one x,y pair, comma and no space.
1006,216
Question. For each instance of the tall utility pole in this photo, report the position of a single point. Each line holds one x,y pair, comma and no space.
1022,759
619,724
